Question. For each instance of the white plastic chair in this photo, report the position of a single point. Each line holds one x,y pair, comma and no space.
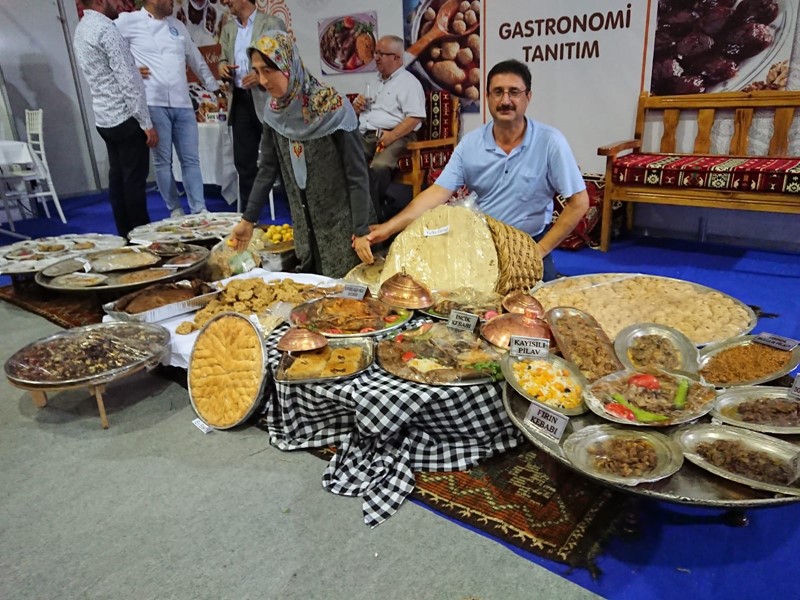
38,185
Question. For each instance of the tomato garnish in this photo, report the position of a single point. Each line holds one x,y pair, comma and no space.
407,356
399,338
425,327
366,330
391,318
623,412
490,314
645,380
349,22
334,330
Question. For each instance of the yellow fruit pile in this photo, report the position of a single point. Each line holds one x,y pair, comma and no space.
275,234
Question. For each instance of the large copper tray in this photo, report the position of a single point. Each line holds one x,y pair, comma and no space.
689,485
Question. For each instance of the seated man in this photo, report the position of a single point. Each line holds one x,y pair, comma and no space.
389,119
514,164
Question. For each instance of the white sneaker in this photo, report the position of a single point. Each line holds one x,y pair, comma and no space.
177,212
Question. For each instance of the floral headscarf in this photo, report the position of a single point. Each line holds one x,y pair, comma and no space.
309,110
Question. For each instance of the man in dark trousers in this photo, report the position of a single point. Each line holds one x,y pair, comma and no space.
246,100
120,110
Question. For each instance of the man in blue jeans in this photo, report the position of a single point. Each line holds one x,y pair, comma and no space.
162,48
514,164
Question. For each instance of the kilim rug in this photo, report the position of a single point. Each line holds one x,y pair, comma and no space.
528,500
65,310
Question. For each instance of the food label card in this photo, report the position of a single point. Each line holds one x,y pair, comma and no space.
462,320
437,231
776,341
354,291
202,426
795,391
546,421
528,346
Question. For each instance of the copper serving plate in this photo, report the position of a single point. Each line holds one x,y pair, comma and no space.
498,331
298,339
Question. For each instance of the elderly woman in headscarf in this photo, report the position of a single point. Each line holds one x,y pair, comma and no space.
311,138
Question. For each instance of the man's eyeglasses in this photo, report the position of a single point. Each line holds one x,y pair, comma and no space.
380,54
513,93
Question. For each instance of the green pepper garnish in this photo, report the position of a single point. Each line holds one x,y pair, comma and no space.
643,416
681,393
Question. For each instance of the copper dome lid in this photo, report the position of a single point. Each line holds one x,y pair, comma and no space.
499,330
300,340
518,301
403,291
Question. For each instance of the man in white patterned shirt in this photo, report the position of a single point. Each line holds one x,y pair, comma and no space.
162,47
120,111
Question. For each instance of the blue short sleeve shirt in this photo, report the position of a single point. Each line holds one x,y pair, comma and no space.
516,188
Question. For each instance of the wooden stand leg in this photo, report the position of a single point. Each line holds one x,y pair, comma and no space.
98,394
39,398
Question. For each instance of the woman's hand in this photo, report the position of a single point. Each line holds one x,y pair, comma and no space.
363,249
241,235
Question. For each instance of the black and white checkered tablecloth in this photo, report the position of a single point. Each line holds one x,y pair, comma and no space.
385,429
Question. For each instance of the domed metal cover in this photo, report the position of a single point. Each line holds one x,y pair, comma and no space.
403,291
300,340
499,330
519,300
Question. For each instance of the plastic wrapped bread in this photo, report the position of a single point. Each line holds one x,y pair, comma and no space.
447,248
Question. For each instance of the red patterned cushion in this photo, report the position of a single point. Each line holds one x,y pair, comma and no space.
587,231
753,173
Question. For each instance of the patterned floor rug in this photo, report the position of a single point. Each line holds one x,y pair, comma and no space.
64,309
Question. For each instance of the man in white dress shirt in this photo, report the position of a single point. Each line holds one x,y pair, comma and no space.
162,48
120,110
391,120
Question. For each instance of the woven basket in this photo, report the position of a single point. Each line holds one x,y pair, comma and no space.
518,256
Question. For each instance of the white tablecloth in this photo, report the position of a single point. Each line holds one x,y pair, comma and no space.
216,159
181,345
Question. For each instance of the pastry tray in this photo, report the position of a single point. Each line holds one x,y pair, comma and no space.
367,359
162,313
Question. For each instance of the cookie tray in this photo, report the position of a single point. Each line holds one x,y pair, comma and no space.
162,313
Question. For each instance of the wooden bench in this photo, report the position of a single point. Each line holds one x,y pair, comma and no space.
436,139
769,183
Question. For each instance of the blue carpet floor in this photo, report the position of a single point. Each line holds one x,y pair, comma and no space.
682,552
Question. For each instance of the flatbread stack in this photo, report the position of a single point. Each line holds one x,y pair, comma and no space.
226,371
452,247
447,248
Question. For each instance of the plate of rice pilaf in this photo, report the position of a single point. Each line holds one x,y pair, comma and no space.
549,380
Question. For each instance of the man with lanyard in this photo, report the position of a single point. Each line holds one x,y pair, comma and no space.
388,120
162,48
120,111
246,104
514,164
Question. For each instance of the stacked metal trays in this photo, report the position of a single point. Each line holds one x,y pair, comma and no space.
142,344
78,264
707,353
187,228
28,257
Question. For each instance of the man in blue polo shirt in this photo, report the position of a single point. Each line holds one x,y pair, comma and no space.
514,164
